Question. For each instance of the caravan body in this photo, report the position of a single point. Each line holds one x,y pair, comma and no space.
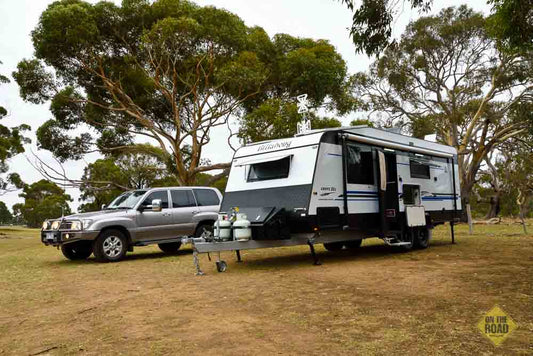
330,180
337,187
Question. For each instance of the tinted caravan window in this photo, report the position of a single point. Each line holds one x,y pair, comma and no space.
359,165
419,169
206,197
269,170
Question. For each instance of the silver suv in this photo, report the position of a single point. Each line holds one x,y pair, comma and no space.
136,218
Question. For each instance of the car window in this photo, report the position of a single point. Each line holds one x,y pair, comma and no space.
182,198
160,194
206,197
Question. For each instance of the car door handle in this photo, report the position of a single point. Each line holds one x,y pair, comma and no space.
195,212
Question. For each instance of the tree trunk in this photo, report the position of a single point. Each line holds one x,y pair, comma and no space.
494,209
465,196
522,218
469,217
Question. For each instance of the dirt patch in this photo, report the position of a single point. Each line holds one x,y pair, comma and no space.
371,301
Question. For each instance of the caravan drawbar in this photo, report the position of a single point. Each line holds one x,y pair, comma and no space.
337,187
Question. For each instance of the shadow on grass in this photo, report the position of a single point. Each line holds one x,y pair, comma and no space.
129,257
364,253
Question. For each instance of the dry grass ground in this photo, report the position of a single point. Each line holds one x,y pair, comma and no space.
373,301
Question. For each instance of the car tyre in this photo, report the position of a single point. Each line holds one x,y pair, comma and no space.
170,248
77,251
203,228
110,246
333,246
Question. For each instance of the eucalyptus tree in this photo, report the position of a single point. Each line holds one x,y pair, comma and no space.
371,31
447,75
163,72
12,142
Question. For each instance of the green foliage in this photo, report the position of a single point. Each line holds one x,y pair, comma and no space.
276,118
5,215
510,22
365,122
372,23
42,200
447,76
12,142
105,179
167,70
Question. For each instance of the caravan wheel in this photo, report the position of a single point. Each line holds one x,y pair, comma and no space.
408,235
354,244
422,237
333,246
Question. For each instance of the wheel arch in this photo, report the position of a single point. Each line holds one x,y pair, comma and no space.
120,228
203,222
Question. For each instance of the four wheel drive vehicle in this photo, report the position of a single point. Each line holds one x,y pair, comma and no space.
136,218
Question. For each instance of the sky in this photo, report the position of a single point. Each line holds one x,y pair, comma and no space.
318,19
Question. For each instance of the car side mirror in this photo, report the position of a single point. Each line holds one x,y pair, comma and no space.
156,205
104,206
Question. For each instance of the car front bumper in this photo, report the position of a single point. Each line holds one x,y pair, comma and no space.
59,237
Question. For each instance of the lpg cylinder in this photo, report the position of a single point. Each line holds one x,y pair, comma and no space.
241,228
222,228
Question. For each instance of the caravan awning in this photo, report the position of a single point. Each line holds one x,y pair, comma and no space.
255,160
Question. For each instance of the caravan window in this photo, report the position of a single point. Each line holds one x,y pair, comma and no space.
269,170
419,169
360,165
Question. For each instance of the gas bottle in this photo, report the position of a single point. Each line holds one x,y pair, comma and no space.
241,228
223,228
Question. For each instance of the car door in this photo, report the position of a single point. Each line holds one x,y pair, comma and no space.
154,225
183,210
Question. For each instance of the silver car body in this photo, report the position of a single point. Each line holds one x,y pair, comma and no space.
144,226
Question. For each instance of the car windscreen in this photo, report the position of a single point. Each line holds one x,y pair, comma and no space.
126,200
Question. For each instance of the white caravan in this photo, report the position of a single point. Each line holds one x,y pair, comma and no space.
339,186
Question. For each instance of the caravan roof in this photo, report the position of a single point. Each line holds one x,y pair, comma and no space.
374,136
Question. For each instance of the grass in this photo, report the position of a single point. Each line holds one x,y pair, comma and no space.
371,301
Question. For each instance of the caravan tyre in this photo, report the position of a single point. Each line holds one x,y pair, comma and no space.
408,235
333,246
354,244
422,237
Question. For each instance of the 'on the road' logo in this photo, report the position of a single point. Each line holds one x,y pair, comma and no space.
496,325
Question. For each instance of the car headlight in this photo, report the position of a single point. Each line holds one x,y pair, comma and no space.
55,225
75,225
86,223
45,225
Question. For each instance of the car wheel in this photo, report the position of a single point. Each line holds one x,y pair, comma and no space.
110,246
333,246
422,237
354,244
170,248
77,251
204,228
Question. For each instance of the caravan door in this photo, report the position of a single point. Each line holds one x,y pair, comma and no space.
361,186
